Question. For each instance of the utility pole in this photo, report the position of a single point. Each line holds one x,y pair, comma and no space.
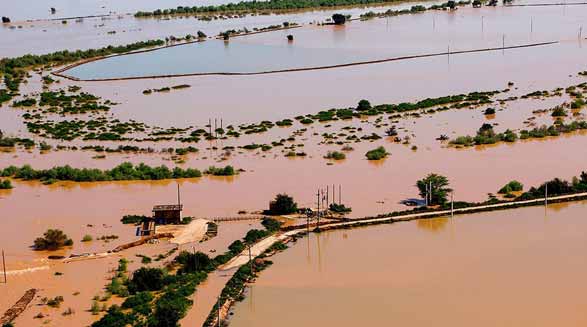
218,310
531,24
210,126
452,207
178,195
546,194
250,260
195,258
339,193
327,189
318,201
426,194
430,193
318,213
482,24
4,267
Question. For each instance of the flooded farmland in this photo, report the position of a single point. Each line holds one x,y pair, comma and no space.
512,268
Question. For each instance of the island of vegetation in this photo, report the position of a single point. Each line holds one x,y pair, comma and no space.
124,171
52,239
249,7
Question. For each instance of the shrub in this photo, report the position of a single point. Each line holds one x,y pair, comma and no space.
5,185
513,186
53,239
133,219
559,112
236,247
376,154
272,225
87,238
141,303
114,318
226,171
55,302
339,208
95,308
335,155
254,235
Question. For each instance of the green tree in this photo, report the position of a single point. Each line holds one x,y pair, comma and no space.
435,187
512,186
115,318
364,105
282,205
339,19
146,279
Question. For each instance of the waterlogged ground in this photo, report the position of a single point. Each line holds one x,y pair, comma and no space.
517,267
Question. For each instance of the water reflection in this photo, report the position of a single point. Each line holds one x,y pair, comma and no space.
500,255
433,224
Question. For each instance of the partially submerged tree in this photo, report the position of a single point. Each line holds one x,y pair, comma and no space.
282,205
339,19
435,188
512,186
53,239
364,105
146,279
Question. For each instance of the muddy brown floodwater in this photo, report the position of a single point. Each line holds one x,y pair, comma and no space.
522,267
81,281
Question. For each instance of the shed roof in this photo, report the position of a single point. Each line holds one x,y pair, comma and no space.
168,207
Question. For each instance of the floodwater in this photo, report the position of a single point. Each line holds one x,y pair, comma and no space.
315,46
522,267
285,95
369,188
82,280
41,37
33,9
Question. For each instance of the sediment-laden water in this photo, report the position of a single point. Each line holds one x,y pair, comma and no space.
520,267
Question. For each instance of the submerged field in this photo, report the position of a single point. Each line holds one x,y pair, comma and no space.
448,114
518,267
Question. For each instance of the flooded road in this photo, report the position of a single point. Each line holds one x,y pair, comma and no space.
517,267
